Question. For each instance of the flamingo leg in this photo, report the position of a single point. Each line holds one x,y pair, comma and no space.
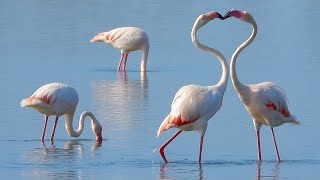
258,145
125,62
54,128
200,151
44,128
161,149
275,145
120,61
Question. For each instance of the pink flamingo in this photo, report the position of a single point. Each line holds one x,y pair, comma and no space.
194,105
126,39
60,99
266,102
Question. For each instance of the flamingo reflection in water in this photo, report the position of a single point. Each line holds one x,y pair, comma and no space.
124,102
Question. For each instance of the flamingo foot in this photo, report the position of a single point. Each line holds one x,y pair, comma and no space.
161,149
161,152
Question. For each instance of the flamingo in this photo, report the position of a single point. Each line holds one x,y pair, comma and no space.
266,102
60,99
194,105
126,39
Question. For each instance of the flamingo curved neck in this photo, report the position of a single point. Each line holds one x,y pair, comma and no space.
234,78
69,123
144,58
225,70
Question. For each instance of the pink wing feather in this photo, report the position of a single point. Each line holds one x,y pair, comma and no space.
272,96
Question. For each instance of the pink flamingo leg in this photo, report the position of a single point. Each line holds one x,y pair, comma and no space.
44,128
54,128
161,149
125,62
120,62
258,145
275,144
200,151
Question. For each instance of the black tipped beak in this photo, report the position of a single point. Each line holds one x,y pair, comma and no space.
227,15
220,16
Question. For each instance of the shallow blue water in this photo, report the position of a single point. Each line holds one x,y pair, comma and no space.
48,41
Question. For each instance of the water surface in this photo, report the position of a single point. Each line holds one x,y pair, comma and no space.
48,41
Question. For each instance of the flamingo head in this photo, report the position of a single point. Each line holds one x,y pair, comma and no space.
203,19
242,15
97,129
99,38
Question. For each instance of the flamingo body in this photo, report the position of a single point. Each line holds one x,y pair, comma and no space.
53,99
126,39
60,99
267,104
194,105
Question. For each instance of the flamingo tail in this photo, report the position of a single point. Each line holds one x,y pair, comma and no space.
165,124
31,102
293,120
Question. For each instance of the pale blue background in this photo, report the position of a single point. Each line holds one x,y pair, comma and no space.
42,41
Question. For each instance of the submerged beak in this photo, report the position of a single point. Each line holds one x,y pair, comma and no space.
99,137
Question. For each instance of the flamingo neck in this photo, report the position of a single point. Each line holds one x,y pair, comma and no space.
69,123
225,71
234,78
144,58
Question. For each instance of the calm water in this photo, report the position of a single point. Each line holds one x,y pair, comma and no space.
46,41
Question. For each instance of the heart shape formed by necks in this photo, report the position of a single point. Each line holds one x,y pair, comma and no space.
232,13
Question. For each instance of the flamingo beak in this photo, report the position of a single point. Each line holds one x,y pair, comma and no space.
227,15
220,17
99,137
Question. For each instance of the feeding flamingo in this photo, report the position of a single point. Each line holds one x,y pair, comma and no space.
194,105
60,99
126,39
266,102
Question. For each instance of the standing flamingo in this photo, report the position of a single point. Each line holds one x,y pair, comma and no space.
194,105
60,99
266,102
126,39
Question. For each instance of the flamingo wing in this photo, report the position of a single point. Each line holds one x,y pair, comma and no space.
272,96
191,103
127,38
53,98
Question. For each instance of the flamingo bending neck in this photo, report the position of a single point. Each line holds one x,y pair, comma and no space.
69,124
225,70
234,78
144,58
